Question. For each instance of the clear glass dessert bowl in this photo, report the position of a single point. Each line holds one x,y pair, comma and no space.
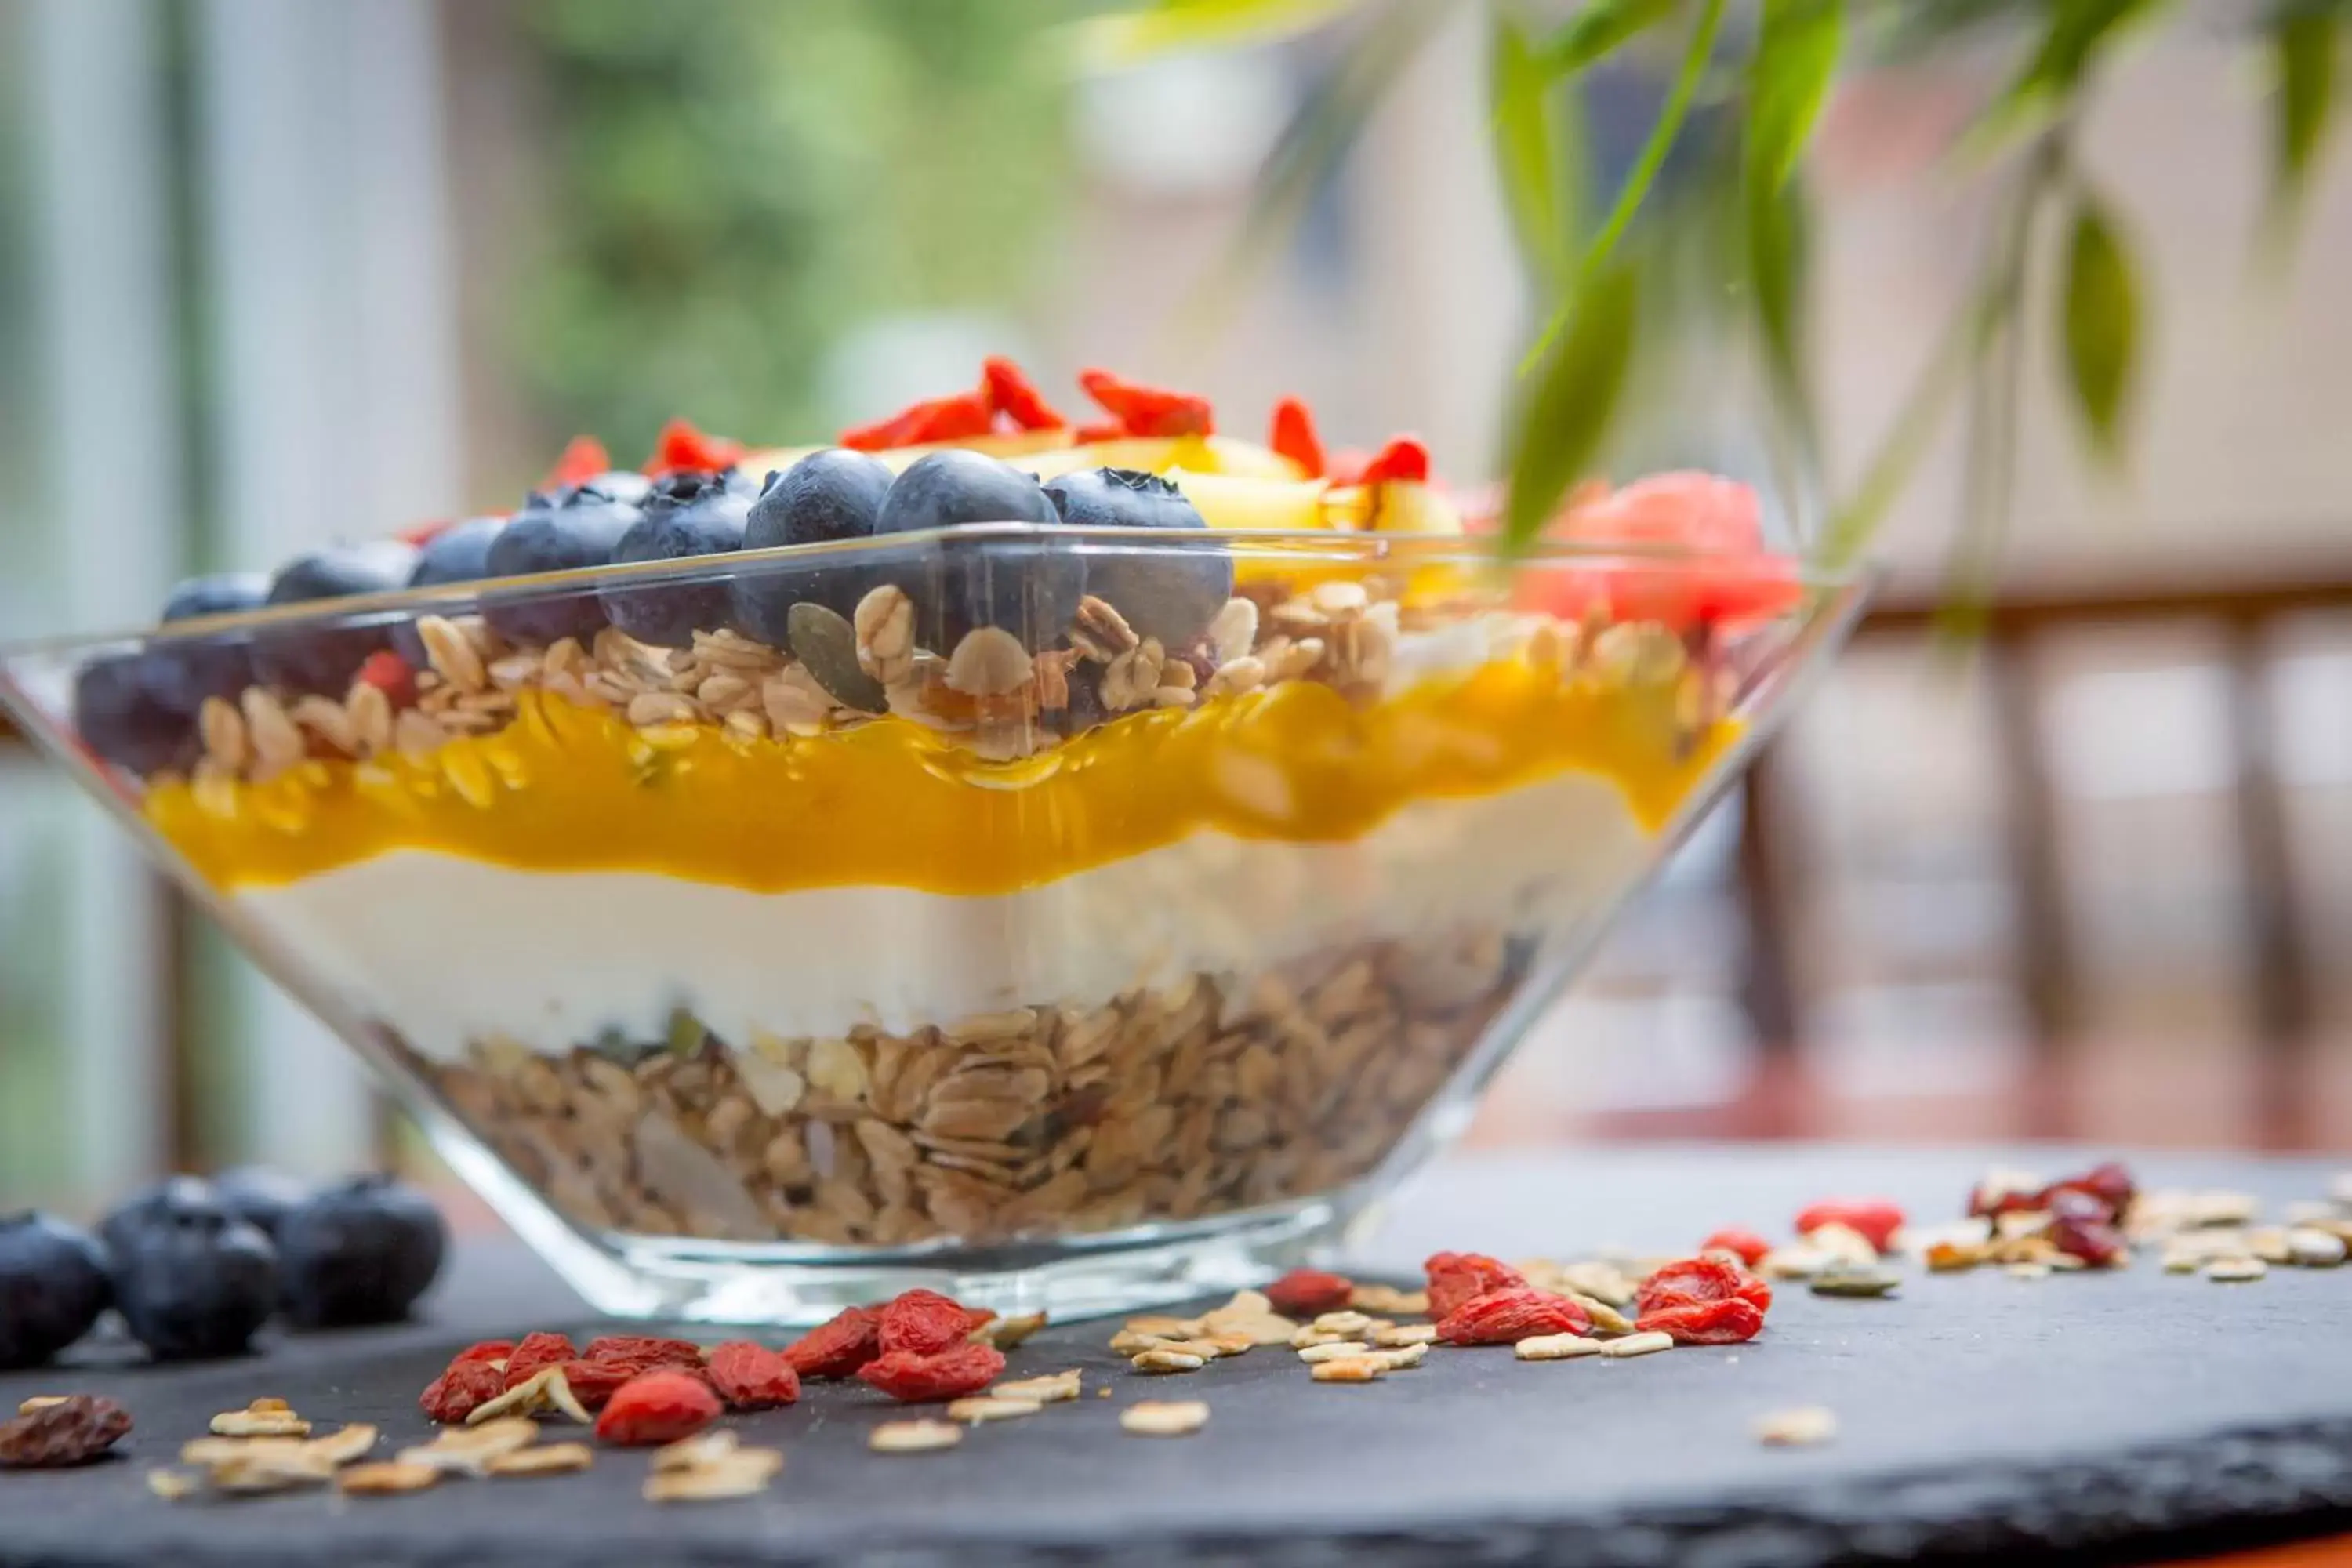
1061,916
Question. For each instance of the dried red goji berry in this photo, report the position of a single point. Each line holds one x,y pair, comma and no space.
1747,1245
681,447
484,1350
949,1375
74,1431
1099,431
1310,1292
1291,433
1403,460
923,1321
1149,410
1456,1277
1726,1322
657,1407
2110,1183
650,1349
1696,1281
2082,1226
1506,1316
1876,1218
750,1376
389,673
537,1352
583,458
452,1396
1014,395
594,1382
956,418
838,1347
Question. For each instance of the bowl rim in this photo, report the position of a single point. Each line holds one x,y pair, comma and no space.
1305,547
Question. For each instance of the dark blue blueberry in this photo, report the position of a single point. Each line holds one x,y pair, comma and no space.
688,515
458,553
359,1251
624,485
1029,590
155,1201
181,673
826,497
53,1286
579,529
1168,594
193,1280
118,718
259,1195
324,657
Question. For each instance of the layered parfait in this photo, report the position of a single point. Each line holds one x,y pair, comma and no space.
844,881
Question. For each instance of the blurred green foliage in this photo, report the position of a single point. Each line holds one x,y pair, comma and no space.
733,183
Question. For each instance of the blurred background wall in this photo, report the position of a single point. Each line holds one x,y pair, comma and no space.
273,271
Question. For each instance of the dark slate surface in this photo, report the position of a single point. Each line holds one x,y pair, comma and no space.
1983,1418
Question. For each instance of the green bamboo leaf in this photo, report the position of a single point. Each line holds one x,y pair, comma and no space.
1569,403
1779,235
2302,46
1526,151
1128,38
2078,33
1601,27
1797,49
2102,322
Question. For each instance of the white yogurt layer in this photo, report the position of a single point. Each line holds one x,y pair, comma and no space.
445,949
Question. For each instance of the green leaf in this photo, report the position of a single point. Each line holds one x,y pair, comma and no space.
1128,38
1779,230
2102,322
2302,46
1601,28
1525,151
1569,405
1796,58
2078,33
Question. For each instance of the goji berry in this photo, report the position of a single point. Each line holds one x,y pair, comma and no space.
838,1347
1876,1218
73,1431
537,1352
389,673
956,418
484,1350
1727,1322
682,448
1506,1316
750,1376
452,1396
1309,1293
1456,1277
1099,431
1696,1281
923,1321
1748,1246
594,1382
1014,395
1291,433
1143,410
657,1407
2110,1183
1403,460
652,1350
949,1375
2082,1226
583,458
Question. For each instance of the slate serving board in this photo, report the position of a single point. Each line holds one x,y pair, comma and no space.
2137,1418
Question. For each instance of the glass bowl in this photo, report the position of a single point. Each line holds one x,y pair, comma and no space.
1063,918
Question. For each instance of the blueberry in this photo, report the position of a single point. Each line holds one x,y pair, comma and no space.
623,485
180,674
458,553
564,533
688,515
53,1286
1172,595
193,1280
323,657
259,1195
827,496
1029,590
153,1203
359,1251
118,718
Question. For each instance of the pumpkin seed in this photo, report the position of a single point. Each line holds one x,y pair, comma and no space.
827,647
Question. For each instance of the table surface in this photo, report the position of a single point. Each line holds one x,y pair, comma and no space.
2140,1417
